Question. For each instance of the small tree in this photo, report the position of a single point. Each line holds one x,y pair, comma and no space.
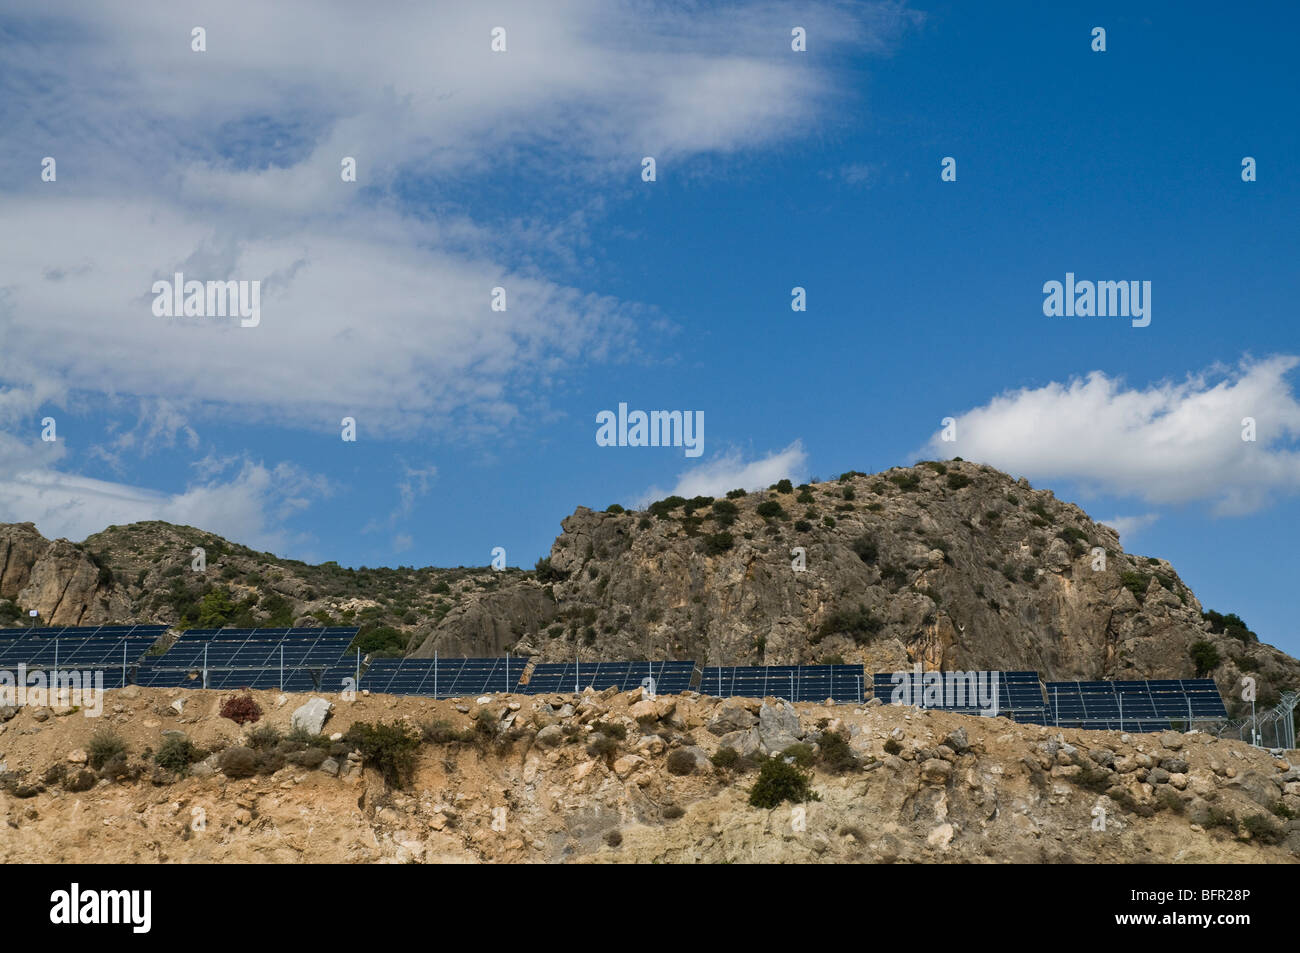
779,782
1206,657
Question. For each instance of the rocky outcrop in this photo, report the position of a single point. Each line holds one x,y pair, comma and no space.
59,580
951,565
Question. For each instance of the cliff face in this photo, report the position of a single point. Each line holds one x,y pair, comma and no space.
59,580
951,565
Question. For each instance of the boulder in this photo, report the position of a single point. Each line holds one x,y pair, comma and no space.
957,741
742,742
730,718
936,771
627,764
311,716
778,726
330,767
550,736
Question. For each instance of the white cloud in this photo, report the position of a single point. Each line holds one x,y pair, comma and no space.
225,164
1171,442
730,472
1128,527
250,505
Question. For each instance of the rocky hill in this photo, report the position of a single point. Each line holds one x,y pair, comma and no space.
608,778
952,565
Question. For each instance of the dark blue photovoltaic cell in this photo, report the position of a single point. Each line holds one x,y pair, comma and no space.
1019,693
807,683
445,678
670,678
82,647
258,648
1148,705
292,660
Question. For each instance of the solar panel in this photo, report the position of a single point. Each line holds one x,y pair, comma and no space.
249,649
1018,692
445,678
809,683
80,647
1138,705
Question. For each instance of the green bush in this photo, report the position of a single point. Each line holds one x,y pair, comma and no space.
769,509
1264,829
546,574
834,753
802,754
725,758
958,481
664,507
717,543
802,526
614,508
389,747
736,494
859,624
907,482
892,746
264,737
783,486
1136,583
105,745
1230,625
379,639
1205,656
779,782
176,754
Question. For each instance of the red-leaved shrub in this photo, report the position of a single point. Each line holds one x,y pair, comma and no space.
241,709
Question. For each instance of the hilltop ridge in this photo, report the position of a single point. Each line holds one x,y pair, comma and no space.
949,564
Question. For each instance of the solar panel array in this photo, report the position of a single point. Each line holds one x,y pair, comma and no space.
671,678
303,679
1020,695
1147,705
82,647
257,648
801,683
292,660
443,678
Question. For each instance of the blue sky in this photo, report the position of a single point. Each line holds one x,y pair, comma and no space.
521,169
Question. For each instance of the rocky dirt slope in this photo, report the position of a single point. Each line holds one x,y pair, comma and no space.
608,778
